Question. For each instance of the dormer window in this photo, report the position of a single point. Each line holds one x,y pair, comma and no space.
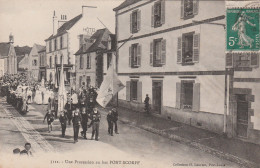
109,44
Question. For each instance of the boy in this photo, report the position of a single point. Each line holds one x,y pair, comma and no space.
50,118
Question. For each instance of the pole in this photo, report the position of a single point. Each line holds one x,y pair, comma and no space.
225,103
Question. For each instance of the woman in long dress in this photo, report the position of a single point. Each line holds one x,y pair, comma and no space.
38,97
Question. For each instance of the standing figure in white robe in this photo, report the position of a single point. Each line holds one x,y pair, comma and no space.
46,96
38,97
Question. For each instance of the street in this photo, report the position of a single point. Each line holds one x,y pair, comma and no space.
133,147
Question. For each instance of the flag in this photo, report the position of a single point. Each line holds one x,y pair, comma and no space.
109,87
62,93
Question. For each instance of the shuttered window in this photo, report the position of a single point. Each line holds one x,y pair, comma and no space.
135,21
61,42
135,54
188,48
189,8
128,91
254,59
158,14
80,81
139,91
242,60
158,52
134,91
188,95
88,81
229,60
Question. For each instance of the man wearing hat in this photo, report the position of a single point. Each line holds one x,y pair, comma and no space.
84,122
95,123
63,121
76,120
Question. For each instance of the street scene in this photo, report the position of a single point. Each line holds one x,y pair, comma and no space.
129,83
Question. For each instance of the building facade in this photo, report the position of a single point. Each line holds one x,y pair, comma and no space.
22,54
92,56
63,44
42,64
8,58
170,58
33,68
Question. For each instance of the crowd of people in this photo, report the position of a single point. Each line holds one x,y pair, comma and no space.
80,108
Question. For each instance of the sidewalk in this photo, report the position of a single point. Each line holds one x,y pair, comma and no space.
244,153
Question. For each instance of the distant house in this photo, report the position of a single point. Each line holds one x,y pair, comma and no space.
63,43
22,54
8,59
42,63
93,58
33,62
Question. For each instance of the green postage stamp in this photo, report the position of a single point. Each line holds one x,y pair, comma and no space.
242,29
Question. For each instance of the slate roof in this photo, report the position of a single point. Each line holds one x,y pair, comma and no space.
19,58
42,50
22,50
39,47
100,43
125,4
4,49
66,26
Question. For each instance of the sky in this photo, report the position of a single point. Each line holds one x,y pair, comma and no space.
30,21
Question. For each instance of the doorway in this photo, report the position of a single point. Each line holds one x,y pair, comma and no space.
242,115
157,96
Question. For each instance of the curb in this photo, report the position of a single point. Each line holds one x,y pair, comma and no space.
242,162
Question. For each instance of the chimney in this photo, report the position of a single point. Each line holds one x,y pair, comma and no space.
11,38
55,23
63,19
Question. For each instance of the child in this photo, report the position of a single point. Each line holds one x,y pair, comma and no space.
50,118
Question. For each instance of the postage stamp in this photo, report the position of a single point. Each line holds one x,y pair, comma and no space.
242,29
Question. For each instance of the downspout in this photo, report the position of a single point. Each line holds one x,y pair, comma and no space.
225,103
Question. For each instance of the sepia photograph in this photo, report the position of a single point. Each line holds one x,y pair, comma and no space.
129,83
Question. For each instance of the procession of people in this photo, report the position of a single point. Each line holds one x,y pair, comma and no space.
80,109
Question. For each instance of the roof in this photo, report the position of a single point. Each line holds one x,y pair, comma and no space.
100,38
4,49
19,58
66,26
22,50
39,47
125,4
42,50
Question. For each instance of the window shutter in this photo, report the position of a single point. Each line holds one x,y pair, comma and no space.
178,95
151,53
138,20
179,50
139,54
229,60
182,8
131,24
162,11
195,7
196,47
196,97
139,92
152,19
163,56
90,61
254,59
128,91
130,56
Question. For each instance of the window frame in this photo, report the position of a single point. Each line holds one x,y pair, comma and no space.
156,41
183,48
61,42
55,44
50,61
131,90
159,15
81,62
134,20
183,96
50,46
88,61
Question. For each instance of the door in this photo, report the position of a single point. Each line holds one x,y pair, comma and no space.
157,96
242,115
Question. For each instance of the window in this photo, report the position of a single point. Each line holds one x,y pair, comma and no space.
88,61
109,58
61,61
189,8
50,61
34,62
81,61
158,14
158,52
135,55
188,95
133,90
55,44
61,42
80,81
242,60
88,81
135,19
55,60
50,46
188,48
